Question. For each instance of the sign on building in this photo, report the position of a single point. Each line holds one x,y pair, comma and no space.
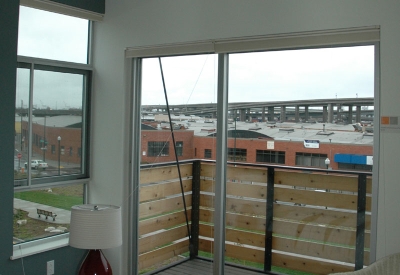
309,143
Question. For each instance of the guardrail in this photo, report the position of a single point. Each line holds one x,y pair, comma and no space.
309,220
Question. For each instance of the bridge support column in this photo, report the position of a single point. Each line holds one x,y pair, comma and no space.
297,113
214,114
330,113
242,114
324,113
271,114
263,114
350,115
339,113
306,113
358,114
283,113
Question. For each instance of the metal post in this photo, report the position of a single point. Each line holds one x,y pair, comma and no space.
59,155
360,231
194,248
220,171
269,220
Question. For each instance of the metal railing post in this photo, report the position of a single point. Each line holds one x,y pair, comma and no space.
269,220
195,217
360,231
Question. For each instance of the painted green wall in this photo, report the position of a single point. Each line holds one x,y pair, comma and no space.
91,5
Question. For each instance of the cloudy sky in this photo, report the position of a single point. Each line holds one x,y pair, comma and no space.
269,76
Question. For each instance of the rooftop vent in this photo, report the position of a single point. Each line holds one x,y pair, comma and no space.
286,130
324,133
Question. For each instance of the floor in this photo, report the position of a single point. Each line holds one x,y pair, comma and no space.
203,267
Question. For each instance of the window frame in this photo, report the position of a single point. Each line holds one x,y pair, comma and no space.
273,155
40,245
85,70
223,47
153,146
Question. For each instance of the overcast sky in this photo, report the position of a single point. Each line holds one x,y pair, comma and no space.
269,76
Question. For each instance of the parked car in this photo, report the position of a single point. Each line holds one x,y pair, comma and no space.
37,164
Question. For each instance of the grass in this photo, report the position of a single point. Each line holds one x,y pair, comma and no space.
33,229
60,197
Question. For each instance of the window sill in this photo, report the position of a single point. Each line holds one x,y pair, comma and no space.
38,246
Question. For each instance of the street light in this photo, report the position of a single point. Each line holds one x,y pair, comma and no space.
59,155
327,162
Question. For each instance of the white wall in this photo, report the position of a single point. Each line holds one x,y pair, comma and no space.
130,23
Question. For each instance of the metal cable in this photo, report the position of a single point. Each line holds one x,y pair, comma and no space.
176,155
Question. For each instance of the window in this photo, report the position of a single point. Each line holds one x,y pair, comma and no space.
254,80
270,156
51,117
207,153
179,148
357,167
158,148
237,154
311,159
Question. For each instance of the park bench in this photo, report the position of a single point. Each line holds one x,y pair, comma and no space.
46,213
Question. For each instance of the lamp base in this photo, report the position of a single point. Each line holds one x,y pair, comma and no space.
95,263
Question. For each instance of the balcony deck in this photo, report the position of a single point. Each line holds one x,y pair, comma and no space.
203,267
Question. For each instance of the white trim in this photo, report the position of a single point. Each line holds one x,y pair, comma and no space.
62,9
314,39
55,63
38,246
40,186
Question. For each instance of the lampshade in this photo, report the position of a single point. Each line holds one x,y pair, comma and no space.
95,226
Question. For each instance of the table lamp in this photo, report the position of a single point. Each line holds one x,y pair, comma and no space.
95,227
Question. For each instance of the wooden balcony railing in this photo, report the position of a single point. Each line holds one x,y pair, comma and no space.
310,220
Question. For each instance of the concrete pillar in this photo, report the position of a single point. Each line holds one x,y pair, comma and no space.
306,114
263,114
330,113
324,113
297,113
271,114
358,114
339,113
214,114
350,115
242,114
283,113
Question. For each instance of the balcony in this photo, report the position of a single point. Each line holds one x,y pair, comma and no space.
278,219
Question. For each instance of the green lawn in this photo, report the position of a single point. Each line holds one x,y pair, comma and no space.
52,199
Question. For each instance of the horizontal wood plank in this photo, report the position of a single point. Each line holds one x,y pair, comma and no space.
163,222
236,205
237,174
325,199
319,233
328,252
245,222
237,189
157,174
163,206
161,238
320,181
162,254
162,190
317,215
